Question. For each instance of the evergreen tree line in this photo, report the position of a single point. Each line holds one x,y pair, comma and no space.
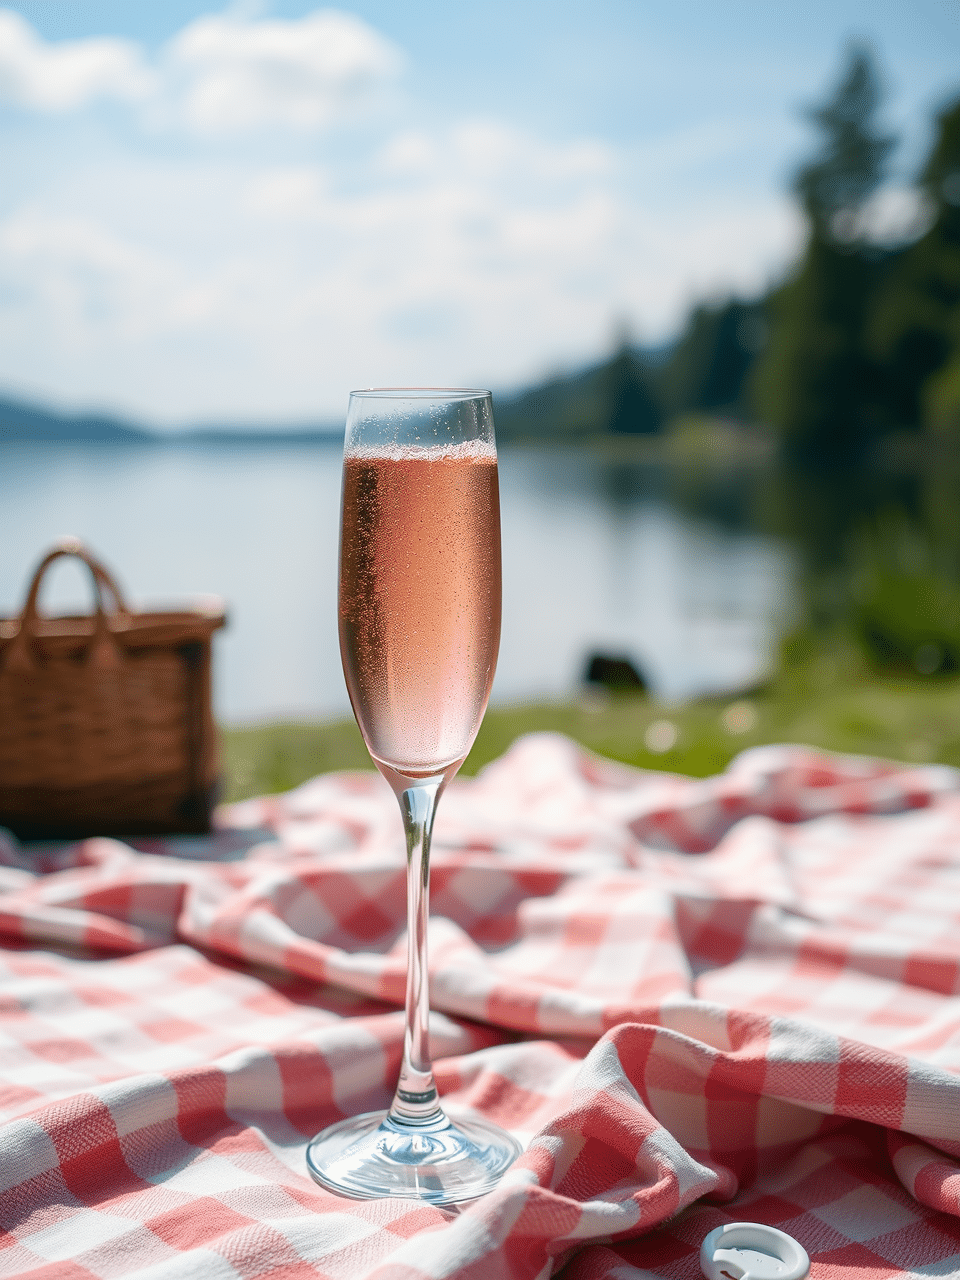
862,338
859,342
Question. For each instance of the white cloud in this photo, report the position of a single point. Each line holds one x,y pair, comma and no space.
185,279
65,76
84,285
494,257
234,73
297,192
222,74
488,148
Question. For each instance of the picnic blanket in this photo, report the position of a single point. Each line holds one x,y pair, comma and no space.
696,1001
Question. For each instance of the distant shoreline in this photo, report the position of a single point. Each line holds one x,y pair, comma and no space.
694,439
572,408
23,423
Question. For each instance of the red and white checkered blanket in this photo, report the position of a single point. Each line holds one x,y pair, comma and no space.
696,1002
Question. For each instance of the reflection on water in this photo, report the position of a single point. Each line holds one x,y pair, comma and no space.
599,553
878,550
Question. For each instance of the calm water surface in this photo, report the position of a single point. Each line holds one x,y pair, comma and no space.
596,556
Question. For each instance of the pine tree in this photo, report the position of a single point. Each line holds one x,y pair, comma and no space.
816,382
709,367
917,322
632,407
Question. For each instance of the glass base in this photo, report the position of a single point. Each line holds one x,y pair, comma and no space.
370,1157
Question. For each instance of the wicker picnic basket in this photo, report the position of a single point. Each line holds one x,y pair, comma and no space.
106,726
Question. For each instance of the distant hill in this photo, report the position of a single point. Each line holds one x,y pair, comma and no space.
322,434
20,421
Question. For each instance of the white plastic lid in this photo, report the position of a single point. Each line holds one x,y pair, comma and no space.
752,1251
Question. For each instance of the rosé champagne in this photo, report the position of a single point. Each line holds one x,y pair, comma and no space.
419,607
419,631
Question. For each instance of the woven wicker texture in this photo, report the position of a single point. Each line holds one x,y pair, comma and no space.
79,726
105,721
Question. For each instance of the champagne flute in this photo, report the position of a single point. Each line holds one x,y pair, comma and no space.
419,614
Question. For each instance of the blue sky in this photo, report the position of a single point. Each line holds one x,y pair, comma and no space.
238,214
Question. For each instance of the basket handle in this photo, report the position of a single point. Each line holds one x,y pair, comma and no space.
103,651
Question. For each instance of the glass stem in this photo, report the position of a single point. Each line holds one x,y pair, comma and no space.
416,1101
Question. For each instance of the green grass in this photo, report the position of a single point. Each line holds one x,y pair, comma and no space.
825,696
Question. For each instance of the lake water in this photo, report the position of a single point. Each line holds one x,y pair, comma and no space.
596,557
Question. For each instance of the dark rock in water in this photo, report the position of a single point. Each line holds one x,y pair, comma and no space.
614,671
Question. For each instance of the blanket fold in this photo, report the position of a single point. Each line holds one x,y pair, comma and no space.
696,1001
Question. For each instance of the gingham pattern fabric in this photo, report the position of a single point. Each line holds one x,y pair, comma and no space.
695,1001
